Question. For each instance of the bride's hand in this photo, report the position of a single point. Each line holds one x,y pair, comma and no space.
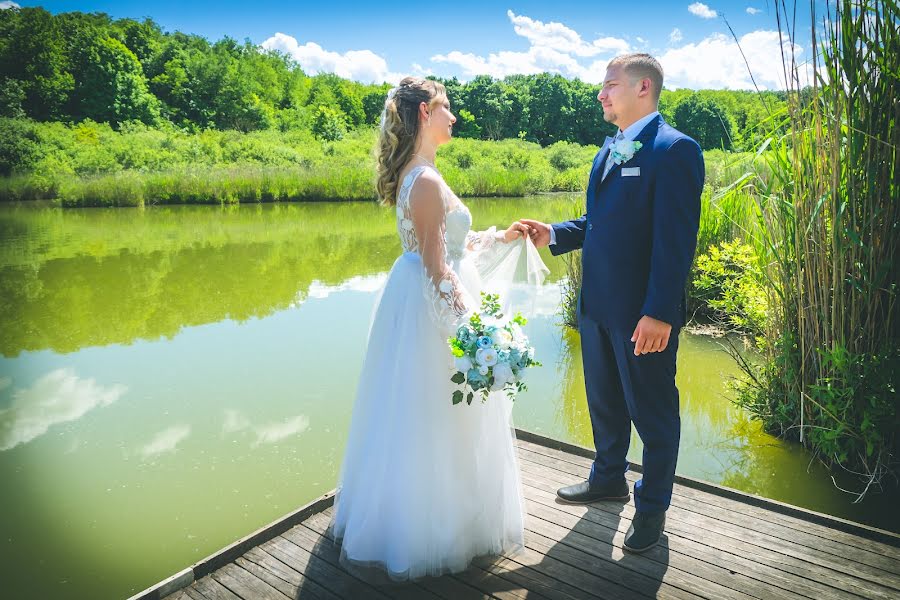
514,232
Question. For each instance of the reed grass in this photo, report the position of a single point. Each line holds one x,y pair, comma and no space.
829,217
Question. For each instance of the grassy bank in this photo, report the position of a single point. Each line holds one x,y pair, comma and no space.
90,164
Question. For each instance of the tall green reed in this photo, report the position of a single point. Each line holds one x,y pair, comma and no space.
829,219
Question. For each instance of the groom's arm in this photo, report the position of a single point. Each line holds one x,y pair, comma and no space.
567,236
676,219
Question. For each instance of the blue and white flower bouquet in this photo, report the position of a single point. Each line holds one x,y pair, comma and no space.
490,353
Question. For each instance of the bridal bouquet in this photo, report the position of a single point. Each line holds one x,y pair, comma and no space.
490,353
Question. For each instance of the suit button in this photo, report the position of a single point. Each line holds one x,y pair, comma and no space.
590,225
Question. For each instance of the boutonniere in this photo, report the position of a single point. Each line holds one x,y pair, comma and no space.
623,150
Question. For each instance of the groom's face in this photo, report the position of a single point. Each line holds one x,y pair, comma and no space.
618,95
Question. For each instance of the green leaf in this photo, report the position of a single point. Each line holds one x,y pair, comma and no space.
469,398
457,397
458,378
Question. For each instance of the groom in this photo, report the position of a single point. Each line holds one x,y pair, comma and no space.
637,238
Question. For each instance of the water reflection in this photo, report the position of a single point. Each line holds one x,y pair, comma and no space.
58,397
69,281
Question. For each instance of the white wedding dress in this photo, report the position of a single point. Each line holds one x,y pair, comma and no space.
426,486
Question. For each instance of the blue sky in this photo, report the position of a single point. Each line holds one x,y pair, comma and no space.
383,40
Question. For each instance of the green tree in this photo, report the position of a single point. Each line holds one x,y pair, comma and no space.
705,120
109,81
33,52
328,123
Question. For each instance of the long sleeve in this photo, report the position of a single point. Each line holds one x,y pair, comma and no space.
676,219
569,235
449,301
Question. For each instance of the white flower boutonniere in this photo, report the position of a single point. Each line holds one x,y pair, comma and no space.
623,150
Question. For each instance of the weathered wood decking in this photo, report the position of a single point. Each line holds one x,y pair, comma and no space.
718,544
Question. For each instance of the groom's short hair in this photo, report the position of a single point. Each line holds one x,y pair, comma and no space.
640,65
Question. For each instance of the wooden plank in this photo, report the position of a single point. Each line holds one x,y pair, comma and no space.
864,536
292,589
335,580
661,564
688,524
530,579
870,552
210,589
482,581
444,587
194,594
496,565
324,548
278,571
867,562
245,584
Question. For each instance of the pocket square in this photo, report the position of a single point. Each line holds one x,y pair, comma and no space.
631,171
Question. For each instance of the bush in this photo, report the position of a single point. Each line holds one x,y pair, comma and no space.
727,288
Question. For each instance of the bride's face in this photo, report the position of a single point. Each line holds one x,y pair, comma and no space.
439,127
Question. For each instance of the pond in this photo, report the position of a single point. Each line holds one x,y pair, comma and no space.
173,378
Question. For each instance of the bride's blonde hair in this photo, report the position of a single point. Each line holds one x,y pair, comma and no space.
399,130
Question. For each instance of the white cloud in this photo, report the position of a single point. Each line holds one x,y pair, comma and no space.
701,10
6,5
359,65
675,36
753,11
561,38
716,62
58,397
166,440
554,48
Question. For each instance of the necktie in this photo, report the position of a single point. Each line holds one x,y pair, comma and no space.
609,157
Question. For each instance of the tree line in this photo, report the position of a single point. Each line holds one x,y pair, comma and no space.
74,66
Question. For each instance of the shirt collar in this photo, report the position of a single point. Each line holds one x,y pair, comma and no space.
635,128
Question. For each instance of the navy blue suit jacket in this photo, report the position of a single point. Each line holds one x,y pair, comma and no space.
639,233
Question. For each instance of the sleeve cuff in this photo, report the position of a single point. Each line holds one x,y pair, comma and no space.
552,236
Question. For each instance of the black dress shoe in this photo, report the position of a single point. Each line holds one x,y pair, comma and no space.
646,527
585,493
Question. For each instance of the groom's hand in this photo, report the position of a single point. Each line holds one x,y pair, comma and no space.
539,232
650,335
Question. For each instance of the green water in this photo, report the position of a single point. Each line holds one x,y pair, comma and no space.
172,379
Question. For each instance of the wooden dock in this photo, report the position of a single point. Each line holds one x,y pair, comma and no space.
719,543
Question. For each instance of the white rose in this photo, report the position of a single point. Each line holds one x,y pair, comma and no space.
483,369
463,363
502,338
502,375
486,357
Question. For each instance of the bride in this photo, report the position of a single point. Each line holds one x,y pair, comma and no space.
426,486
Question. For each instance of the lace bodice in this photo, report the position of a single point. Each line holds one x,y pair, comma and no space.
441,235
457,219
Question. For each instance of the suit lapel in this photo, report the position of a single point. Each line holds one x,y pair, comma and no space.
599,162
643,137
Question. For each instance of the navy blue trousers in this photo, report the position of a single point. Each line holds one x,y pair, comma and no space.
623,389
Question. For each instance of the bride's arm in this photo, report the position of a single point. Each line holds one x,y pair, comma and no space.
449,301
482,240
